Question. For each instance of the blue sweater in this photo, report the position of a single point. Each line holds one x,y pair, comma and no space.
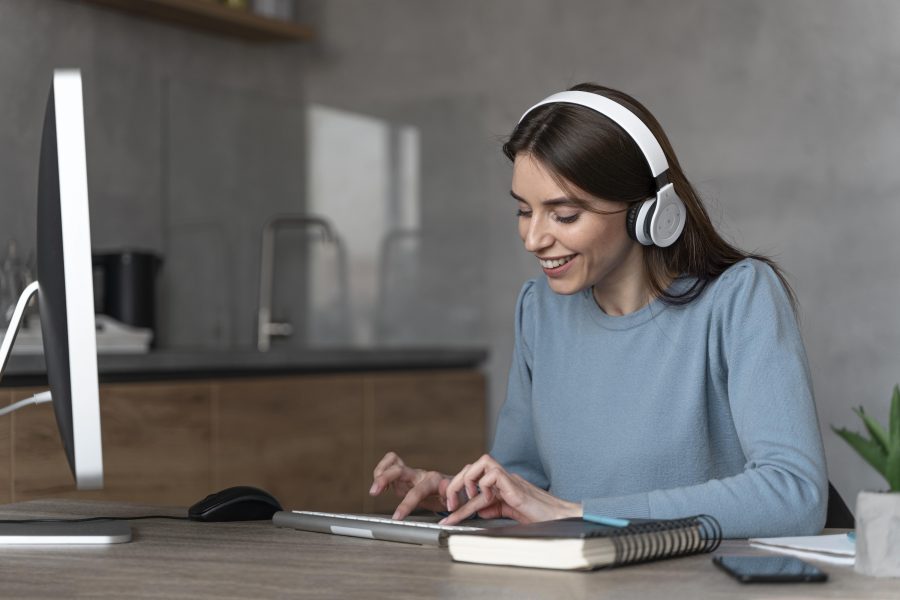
669,411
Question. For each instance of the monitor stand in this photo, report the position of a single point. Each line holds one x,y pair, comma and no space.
36,532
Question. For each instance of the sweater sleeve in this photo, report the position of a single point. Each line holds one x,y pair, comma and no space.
782,489
514,440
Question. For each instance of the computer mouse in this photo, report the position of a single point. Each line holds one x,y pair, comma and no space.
241,503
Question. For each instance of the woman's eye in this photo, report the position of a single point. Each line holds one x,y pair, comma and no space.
567,219
523,213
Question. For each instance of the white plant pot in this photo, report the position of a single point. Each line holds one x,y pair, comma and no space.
878,534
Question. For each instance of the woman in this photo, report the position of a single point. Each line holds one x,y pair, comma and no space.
658,371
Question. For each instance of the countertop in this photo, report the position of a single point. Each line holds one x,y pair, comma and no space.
23,370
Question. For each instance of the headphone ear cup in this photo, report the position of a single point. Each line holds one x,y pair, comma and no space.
631,220
637,221
666,223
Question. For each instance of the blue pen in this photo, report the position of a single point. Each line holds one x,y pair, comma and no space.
609,521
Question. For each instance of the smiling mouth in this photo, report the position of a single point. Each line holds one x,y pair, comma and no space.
552,263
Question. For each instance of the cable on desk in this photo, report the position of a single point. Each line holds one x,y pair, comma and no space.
86,519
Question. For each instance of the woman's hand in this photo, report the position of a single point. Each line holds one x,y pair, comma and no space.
495,493
419,488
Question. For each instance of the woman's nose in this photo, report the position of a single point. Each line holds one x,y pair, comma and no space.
536,236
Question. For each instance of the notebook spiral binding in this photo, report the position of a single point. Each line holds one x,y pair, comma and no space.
666,539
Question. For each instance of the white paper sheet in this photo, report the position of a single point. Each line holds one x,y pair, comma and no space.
836,549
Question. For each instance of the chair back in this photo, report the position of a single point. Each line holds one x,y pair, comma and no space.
838,515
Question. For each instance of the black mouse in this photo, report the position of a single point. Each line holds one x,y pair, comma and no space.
241,503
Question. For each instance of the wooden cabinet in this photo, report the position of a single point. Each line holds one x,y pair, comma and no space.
311,440
433,421
156,441
5,450
300,438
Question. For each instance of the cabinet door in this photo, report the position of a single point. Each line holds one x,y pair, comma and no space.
432,419
298,437
5,450
156,446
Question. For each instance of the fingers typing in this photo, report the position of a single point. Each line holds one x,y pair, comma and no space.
429,485
387,476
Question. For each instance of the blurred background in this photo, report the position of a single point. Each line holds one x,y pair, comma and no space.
365,137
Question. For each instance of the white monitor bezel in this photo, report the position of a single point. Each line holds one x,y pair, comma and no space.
78,270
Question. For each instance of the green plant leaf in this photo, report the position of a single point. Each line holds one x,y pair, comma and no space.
869,450
892,469
894,423
875,430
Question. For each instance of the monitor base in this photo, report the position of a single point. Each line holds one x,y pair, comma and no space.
64,533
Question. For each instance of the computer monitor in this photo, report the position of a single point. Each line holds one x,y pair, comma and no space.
65,279
64,283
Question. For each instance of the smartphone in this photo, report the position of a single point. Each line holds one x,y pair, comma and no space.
770,569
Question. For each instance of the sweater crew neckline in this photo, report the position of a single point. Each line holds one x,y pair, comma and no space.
646,313
621,322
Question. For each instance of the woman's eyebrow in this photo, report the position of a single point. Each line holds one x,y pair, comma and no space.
550,201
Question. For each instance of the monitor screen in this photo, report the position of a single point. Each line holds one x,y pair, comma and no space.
65,280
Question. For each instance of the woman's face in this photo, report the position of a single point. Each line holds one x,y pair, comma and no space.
577,249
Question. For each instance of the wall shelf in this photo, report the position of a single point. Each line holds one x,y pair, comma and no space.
215,17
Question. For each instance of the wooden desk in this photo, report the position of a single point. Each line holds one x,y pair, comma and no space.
171,559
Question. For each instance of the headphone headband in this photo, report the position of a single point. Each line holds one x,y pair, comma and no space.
620,115
660,220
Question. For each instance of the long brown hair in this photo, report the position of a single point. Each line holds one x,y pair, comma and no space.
584,148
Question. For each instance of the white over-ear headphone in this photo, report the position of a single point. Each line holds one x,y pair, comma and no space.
658,220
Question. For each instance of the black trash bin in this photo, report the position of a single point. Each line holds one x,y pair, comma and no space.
125,286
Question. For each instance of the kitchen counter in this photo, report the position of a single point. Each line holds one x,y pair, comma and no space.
24,370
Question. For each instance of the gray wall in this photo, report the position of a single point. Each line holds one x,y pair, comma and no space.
783,113
193,139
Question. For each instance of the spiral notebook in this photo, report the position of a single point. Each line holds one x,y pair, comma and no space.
577,544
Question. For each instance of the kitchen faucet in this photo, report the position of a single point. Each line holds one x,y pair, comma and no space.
266,328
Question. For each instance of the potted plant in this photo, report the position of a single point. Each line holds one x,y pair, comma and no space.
878,513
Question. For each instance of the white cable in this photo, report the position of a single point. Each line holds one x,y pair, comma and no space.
15,323
36,399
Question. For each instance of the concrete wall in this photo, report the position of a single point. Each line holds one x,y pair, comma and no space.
783,113
193,139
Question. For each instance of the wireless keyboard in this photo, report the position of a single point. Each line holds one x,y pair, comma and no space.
369,526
